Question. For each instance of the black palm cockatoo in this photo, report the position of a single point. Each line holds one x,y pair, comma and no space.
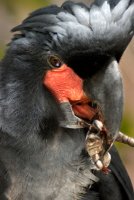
63,56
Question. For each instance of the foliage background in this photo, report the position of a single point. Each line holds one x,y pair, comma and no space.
12,12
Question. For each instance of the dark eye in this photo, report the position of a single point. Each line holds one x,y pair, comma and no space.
54,61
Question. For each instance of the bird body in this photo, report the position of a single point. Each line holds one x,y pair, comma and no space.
39,159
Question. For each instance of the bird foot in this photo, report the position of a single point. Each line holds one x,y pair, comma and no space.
97,142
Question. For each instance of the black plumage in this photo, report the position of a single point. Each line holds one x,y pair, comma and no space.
39,159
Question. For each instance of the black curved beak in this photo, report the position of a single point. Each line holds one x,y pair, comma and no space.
106,88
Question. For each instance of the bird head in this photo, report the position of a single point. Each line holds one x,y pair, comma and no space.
75,52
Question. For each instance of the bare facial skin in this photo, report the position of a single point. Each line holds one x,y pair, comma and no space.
67,86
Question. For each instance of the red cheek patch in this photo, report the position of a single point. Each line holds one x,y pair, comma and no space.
67,86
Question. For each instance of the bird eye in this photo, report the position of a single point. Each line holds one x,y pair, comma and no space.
54,61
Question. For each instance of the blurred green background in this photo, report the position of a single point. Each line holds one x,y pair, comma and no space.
12,12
